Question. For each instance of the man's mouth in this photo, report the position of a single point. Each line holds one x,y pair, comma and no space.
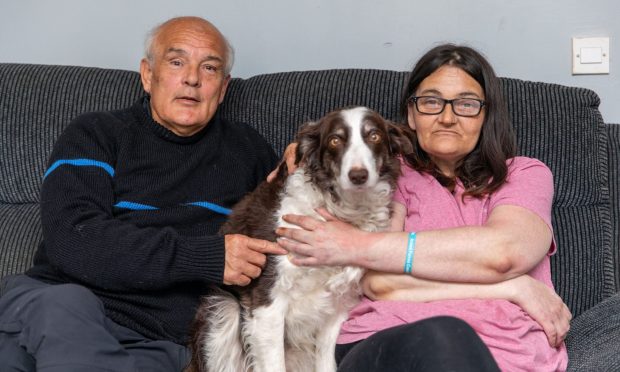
188,98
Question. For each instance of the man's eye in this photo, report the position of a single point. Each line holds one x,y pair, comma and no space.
175,62
210,69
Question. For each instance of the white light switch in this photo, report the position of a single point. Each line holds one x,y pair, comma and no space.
590,55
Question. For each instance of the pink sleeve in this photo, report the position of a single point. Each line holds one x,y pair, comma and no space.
400,192
529,185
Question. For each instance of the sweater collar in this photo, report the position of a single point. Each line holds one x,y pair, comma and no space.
142,108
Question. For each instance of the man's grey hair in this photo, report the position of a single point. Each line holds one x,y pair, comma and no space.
152,35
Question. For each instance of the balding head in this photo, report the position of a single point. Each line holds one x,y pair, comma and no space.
186,72
196,25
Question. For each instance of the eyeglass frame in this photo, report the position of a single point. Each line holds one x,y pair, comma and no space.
414,100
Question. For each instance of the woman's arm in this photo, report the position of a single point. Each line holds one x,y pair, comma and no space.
533,296
511,243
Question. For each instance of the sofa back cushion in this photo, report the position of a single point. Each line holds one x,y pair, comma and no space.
559,125
38,101
277,104
563,127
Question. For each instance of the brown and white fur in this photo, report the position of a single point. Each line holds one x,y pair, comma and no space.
288,318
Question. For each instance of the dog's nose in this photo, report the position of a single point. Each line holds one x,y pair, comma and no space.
358,176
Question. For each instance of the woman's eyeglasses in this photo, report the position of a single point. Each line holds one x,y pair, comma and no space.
430,105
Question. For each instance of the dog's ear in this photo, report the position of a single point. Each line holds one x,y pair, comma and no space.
308,140
401,138
281,174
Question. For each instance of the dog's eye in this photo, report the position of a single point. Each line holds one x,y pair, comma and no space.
374,137
334,142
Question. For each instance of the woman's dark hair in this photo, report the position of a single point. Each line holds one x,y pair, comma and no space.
484,169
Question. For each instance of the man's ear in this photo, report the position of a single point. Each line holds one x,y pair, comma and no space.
224,88
146,74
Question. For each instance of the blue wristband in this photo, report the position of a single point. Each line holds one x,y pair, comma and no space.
410,250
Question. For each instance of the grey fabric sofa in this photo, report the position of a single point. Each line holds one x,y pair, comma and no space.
559,125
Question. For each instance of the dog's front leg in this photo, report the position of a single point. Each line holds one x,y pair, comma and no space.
265,335
326,343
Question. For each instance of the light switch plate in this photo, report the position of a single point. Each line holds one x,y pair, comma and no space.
590,55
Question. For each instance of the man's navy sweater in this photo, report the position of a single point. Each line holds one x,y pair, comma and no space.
131,211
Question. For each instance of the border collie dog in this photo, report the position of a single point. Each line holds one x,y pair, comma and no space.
288,318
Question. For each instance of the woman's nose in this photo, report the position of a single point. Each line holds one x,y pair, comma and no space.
447,115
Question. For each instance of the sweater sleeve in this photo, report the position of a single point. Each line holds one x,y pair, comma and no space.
86,242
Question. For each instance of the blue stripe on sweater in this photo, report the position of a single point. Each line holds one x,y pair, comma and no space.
135,206
144,207
80,163
125,204
214,207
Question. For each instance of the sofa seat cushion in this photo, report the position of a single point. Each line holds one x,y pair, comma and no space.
594,337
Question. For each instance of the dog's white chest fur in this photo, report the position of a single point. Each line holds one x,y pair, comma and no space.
290,320
309,304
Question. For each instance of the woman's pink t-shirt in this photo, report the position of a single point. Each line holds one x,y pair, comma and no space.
517,342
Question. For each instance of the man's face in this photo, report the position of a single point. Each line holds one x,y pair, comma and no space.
186,78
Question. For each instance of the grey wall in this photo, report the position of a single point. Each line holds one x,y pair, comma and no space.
526,39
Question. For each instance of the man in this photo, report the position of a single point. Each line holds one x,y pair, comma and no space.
130,205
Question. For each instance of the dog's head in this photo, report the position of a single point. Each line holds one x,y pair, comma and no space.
352,149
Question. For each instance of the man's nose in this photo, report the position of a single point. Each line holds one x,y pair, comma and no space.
192,77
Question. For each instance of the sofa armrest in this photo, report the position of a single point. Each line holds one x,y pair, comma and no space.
613,150
594,338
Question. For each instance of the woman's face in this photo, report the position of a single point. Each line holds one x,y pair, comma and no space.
445,137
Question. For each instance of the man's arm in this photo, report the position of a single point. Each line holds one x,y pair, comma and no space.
86,241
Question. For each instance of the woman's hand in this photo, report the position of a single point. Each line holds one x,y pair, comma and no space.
544,306
320,243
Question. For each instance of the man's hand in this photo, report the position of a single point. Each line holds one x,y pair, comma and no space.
245,258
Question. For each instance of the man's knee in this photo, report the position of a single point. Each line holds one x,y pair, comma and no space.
56,307
63,300
68,294
13,357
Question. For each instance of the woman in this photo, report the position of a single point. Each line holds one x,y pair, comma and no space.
482,223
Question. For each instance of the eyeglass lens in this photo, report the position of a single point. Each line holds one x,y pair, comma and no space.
460,106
